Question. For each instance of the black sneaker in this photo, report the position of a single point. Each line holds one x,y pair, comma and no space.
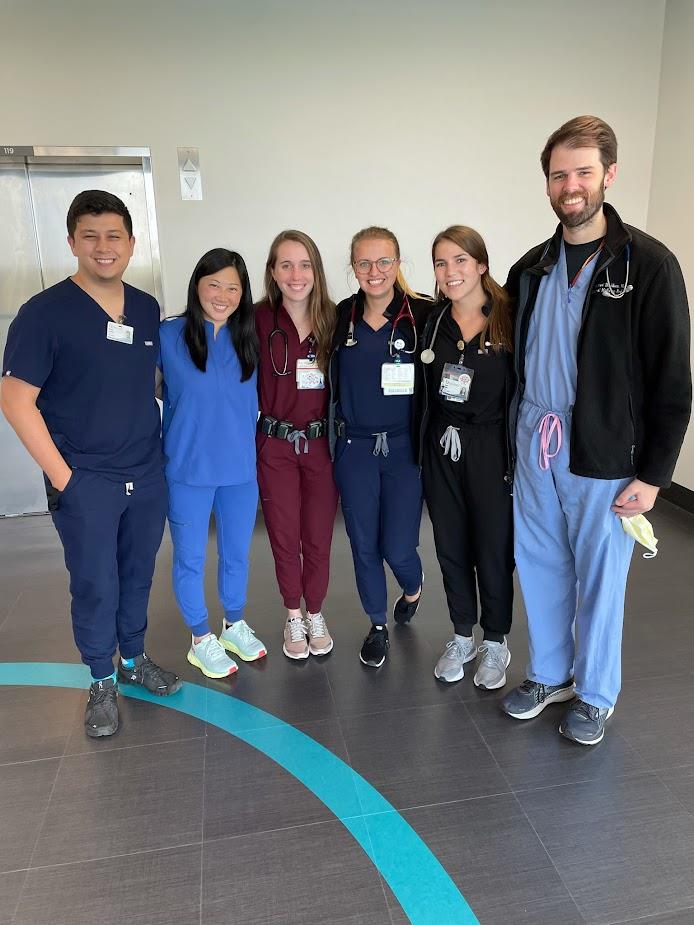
101,715
584,723
149,675
375,647
404,610
530,698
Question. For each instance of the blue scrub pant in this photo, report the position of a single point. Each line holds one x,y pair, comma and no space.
234,509
573,559
110,539
381,500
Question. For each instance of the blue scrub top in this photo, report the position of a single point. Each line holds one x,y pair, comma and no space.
210,418
97,395
362,402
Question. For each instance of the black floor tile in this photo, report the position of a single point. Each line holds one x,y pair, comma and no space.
655,718
680,782
495,858
624,849
10,889
309,875
532,754
35,722
422,755
152,888
684,917
123,800
25,790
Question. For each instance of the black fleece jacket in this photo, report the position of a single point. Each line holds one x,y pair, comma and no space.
633,389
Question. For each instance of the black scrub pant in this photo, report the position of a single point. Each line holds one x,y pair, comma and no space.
471,511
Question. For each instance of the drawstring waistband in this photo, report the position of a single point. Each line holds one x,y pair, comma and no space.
381,445
549,425
451,442
295,437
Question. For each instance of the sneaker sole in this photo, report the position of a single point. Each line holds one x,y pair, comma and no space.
295,655
372,664
470,658
558,697
230,647
494,687
209,674
588,741
98,731
323,651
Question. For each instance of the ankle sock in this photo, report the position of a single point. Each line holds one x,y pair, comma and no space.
127,662
113,677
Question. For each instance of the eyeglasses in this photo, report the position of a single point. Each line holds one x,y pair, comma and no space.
383,263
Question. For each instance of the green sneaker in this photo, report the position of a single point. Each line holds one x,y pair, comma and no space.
240,639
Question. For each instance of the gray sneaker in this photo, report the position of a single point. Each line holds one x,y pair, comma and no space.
530,698
496,658
456,653
584,723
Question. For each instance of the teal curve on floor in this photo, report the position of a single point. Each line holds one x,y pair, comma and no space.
424,890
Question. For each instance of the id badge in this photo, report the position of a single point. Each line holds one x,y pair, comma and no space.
308,376
123,333
456,382
397,378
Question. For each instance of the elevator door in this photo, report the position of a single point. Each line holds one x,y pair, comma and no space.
34,254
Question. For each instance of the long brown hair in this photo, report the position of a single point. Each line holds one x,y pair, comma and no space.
374,232
498,327
321,308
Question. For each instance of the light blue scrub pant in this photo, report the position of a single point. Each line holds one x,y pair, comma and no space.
573,559
190,507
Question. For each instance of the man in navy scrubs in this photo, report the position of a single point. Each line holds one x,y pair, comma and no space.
78,388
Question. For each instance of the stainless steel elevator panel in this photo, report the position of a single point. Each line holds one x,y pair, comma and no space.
34,254
21,483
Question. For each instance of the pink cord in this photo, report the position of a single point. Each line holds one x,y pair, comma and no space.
548,425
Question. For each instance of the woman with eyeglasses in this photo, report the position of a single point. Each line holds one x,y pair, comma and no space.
373,376
208,358
295,323
464,451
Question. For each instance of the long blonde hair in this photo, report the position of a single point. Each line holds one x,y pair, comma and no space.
321,308
374,232
498,327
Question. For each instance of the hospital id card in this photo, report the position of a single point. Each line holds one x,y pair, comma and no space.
123,333
456,382
397,378
308,376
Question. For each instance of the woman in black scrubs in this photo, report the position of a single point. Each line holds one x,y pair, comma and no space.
467,362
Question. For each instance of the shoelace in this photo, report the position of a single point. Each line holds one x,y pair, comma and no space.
453,649
150,668
211,646
549,425
316,625
451,443
243,630
494,656
586,709
381,445
295,437
296,630
99,694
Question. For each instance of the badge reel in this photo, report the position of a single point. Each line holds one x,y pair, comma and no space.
120,332
397,378
456,379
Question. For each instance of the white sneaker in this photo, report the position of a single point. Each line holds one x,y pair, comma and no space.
209,656
240,639
491,673
319,639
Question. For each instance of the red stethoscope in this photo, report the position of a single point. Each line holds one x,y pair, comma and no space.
396,345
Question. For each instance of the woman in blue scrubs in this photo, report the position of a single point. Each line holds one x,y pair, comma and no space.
372,377
208,360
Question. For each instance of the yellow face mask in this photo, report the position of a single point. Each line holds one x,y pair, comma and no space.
641,529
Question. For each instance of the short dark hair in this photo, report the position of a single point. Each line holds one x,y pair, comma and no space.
97,202
583,132
241,323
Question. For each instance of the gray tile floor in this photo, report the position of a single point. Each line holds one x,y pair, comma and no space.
174,822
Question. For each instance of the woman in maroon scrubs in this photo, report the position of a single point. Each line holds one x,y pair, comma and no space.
295,323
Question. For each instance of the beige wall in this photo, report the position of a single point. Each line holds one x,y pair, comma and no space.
672,193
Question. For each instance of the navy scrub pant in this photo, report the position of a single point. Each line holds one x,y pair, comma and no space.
110,538
381,500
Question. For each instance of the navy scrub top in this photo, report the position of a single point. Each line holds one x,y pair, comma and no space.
210,417
97,395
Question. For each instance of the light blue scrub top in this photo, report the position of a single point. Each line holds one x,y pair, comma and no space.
210,418
551,349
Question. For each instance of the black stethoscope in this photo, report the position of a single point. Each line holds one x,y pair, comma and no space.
428,356
285,343
396,345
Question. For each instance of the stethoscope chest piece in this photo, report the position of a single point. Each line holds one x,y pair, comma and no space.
427,356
